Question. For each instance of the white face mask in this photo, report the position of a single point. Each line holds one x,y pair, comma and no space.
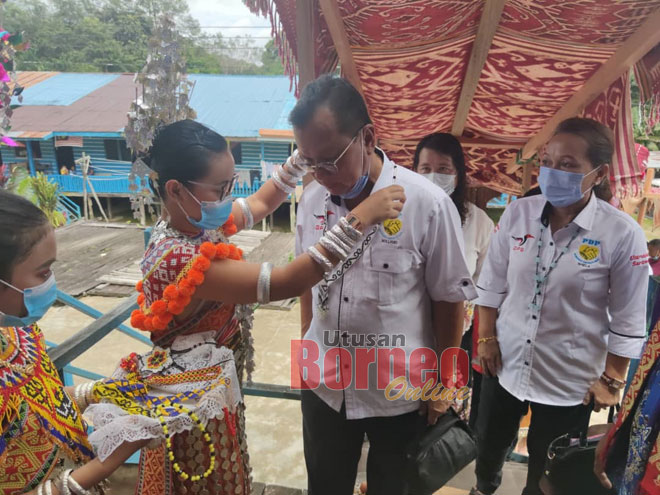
446,182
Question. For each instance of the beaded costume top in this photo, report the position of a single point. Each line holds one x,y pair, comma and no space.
39,420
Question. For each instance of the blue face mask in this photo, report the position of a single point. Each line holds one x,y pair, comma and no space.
37,301
562,188
361,182
214,213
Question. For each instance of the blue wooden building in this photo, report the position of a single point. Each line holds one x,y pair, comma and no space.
64,115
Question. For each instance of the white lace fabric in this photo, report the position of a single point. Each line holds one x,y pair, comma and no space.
114,426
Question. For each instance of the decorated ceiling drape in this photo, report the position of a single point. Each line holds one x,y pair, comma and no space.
411,57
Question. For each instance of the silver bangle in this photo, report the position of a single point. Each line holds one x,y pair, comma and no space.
316,255
333,247
287,177
74,487
77,396
281,185
294,168
263,283
348,247
62,483
247,213
40,489
48,487
345,238
350,231
89,393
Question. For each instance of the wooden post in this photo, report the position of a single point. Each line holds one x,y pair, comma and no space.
86,207
143,213
628,53
85,165
30,157
527,177
305,42
490,20
109,206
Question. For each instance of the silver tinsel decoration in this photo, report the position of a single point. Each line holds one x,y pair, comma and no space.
165,97
9,45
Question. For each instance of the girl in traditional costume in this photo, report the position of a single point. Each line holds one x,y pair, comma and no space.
41,424
184,396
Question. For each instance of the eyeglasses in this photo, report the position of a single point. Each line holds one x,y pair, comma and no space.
223,190
327,167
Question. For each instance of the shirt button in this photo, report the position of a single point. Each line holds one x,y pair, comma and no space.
526,363
345,299
385,265
533,317
552,243
529,341
465,283
543,268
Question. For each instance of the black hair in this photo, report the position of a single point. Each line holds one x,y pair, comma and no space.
600,142
600,146
22,226
181,151
534,191
338,95
447,144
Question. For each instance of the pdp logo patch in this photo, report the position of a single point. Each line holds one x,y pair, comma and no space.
392,228
588,252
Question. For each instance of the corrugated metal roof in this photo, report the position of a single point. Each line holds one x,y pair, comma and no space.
65,89
238,106
234,106
29,78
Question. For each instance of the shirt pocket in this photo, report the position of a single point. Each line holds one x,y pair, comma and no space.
385,275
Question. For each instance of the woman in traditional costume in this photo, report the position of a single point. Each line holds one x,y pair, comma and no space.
628,457
184,396
41,425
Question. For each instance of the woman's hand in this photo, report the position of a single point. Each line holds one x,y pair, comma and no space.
382,205
490,357
601,395
433,409
599,465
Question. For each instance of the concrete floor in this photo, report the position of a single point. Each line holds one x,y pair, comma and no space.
273,425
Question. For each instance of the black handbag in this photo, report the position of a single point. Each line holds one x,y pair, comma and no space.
438,453
569,466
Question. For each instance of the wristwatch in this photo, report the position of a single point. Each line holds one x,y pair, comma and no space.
354,222
613,383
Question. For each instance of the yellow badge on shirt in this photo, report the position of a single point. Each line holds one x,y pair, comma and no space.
392,227
588,253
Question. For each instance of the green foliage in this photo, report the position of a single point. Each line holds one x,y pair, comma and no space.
112,36
644,136
40,191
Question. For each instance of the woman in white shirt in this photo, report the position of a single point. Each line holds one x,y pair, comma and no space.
439,157
561,305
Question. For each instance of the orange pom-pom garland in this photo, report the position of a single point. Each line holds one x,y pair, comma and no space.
178,295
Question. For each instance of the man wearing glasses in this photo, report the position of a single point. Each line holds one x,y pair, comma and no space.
402,289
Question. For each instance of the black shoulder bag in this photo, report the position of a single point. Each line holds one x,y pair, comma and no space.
438,453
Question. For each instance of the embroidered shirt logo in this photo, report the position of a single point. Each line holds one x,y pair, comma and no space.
320,220
522,240
588,252
392,228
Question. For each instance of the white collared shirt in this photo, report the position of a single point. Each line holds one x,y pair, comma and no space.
389,290
477,229
593,302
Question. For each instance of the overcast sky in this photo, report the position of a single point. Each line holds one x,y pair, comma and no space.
229,13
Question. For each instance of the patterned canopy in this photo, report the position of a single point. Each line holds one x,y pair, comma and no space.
412,56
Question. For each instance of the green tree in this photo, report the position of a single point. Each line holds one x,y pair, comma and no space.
271,60
112,36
